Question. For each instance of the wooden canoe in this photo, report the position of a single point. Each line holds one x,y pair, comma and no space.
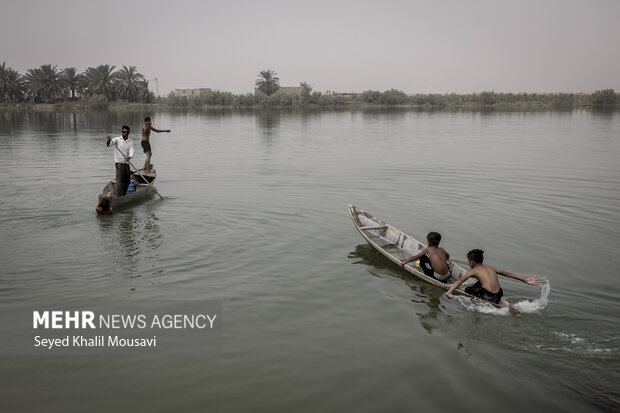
398,246
142,190
148,176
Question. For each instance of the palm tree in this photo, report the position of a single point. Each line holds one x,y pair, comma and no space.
127,84
100,80
11,84
144,94
50,82
32,83
73,81
15,79
268,82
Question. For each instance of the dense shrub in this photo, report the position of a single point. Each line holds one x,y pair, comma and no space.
96,102
605,97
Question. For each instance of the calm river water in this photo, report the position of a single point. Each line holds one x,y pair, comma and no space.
312,319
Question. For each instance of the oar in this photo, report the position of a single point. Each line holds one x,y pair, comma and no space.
124,156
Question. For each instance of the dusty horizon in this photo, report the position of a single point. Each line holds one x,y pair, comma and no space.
423,47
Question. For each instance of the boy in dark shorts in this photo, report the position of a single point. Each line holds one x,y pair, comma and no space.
487,286
433,259
146,145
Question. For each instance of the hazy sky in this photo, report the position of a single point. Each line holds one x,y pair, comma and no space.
417,46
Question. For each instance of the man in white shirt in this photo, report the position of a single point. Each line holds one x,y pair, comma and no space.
121,158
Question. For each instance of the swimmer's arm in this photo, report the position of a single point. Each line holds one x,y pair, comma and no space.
458,282
159,130
530,281
415,257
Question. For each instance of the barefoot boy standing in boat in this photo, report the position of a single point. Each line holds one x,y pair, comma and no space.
146,145
487,286
433,259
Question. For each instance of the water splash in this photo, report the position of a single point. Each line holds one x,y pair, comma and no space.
533,306
525,306
572,343
479,306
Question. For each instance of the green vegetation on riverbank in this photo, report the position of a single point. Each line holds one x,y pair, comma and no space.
95,87
605,98
102,86
391,98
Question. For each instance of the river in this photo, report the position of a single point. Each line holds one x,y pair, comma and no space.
254,219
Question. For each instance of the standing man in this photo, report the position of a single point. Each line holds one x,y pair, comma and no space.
146,145
121,158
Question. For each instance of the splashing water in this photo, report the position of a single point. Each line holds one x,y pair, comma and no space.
479,306
606,347
525,306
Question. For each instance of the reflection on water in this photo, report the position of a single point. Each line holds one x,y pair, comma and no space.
434,317
268,122
423,293
371,257
52,121
133,239
602,113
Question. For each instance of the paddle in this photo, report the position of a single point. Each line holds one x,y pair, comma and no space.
124,156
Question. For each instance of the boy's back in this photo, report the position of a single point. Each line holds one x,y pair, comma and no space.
439,259
487,276
487,286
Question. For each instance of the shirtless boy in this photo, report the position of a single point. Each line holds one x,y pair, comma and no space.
146,145
104,204
433,259
487,286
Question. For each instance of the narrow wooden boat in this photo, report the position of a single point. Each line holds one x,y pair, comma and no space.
398,246
148,176
142,190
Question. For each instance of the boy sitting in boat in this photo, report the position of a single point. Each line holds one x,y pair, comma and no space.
104,204
433,259
132,183
487,286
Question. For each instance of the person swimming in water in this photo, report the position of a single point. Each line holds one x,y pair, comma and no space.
104,204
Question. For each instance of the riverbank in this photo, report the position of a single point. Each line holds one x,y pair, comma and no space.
353,105
78,106
603,99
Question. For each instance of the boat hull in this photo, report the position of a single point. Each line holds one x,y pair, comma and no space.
142,191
